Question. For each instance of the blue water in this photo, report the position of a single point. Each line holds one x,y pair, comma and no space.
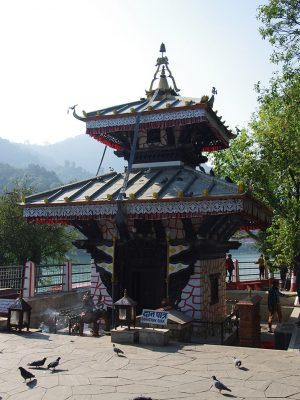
247,255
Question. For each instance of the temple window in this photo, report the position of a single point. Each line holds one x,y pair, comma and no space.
153,136
214,288
170,136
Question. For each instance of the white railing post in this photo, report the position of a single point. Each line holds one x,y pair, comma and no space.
67,276
29,280
236,271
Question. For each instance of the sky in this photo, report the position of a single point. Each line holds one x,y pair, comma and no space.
100,53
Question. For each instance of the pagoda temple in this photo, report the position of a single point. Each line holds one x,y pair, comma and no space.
161,228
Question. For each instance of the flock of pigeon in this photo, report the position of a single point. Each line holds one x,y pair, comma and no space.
39,363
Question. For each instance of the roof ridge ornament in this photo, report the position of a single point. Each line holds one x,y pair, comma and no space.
163,85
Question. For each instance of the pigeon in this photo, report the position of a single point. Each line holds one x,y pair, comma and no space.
37,363
219,385
26,374
54,364
237,362
117,350
142,398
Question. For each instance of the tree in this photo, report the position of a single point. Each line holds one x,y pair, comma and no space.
267,156
21,241
281,26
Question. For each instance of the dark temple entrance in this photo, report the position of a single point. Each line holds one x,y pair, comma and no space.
141,269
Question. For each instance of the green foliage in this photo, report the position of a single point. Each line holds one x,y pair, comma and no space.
268,157
34,176
281,26
21,241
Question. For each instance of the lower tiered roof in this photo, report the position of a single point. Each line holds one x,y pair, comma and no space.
153,192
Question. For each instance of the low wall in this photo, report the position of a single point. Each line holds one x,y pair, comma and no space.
45,305
287,303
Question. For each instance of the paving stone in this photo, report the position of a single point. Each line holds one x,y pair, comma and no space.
93,389
110,381
281,391
138,388
73,380
58,393
47,382
89,370
36,393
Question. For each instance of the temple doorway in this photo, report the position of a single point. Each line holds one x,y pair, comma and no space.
141,269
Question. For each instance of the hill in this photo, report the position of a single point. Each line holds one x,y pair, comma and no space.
34,176
80,150
72,159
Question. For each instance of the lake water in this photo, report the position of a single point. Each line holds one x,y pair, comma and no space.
247,255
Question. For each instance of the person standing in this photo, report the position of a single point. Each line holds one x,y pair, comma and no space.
229,267
274,304
261,266
297,262
283,273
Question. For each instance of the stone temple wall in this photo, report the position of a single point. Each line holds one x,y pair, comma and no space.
196,296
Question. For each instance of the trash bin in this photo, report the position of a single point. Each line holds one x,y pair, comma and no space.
283,334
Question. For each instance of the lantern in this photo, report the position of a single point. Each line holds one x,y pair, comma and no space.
19,315
125,311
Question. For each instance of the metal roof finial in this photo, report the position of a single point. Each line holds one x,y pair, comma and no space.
163,61
162,49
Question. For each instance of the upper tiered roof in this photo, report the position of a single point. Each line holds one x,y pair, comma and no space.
161,108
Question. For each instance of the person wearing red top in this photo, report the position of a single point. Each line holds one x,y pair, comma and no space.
229,267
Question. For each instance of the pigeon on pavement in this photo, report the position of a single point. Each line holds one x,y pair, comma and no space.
142,398
37,363
54,364
117,350
26,374
219,385
237,362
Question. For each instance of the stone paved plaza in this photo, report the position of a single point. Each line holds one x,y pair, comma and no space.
89,369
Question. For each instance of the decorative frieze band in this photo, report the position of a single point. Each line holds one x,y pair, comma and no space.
134,209
145,119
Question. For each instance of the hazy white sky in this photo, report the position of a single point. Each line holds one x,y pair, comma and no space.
100,53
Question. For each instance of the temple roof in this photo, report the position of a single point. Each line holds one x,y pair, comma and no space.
163,191
144,105
161,108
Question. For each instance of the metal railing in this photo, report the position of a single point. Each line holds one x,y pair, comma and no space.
249,271
50,277
81,275
219,332
11,277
